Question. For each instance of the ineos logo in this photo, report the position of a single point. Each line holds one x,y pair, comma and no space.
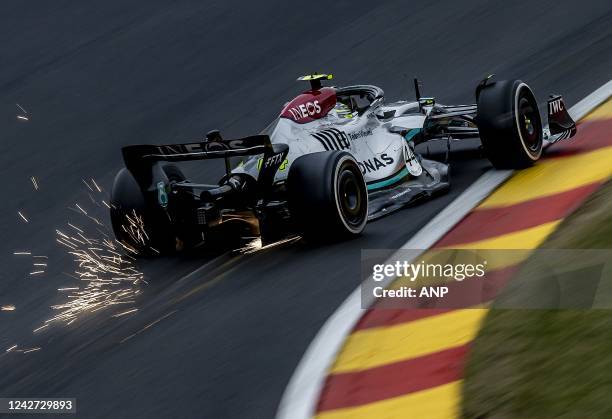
305,110
202,147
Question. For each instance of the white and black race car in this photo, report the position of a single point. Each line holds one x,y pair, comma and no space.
335,158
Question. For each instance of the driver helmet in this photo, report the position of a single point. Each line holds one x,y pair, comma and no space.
342,111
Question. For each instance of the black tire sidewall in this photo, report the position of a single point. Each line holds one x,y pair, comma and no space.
347,162
498,125
524,89
313,194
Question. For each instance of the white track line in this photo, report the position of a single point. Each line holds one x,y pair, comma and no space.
586,105
302,393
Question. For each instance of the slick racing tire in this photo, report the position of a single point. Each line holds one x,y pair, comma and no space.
328,198
509,124
141,226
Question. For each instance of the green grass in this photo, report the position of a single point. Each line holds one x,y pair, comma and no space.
547,363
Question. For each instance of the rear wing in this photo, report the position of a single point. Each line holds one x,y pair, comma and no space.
136,156
141,159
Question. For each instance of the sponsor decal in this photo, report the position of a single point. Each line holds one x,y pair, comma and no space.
162,196
360,134
170,150
310,105
375,164
273,160
204,147
399,195
332,139
335,139
412,162
281,168
555,106
305,110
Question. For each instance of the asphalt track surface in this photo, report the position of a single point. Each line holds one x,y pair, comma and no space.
94,76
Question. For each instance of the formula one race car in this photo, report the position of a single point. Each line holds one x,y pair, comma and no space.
335,158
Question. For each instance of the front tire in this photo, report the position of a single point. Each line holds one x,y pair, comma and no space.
328,198
509,124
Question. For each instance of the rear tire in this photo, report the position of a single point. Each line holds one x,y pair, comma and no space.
509,124
141,226
328,198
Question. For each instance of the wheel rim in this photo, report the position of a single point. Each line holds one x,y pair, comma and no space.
529,124
350,197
